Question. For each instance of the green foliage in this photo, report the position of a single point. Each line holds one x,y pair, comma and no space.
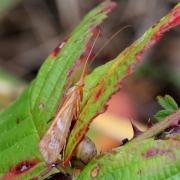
26,120
104,80
18,136
167,102
52,78
147,159
23,124
169,105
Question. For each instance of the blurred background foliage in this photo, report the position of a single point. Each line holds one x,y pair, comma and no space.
30,29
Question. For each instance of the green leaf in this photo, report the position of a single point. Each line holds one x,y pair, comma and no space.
147,159
168,103
162,114
25,121
104,80
53,76
19,138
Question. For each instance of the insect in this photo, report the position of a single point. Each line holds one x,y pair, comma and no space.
54,140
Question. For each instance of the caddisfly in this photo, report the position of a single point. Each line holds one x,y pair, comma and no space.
54,139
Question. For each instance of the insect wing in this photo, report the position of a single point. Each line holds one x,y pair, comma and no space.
54,140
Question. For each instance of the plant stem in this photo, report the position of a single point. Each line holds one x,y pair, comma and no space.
159,127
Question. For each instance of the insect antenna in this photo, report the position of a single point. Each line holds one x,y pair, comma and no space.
90,52
108,41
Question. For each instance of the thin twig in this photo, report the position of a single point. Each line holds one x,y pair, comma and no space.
161,126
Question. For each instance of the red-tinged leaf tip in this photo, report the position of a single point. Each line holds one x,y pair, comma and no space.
57,50
20,168
108,6
176,14
173,21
